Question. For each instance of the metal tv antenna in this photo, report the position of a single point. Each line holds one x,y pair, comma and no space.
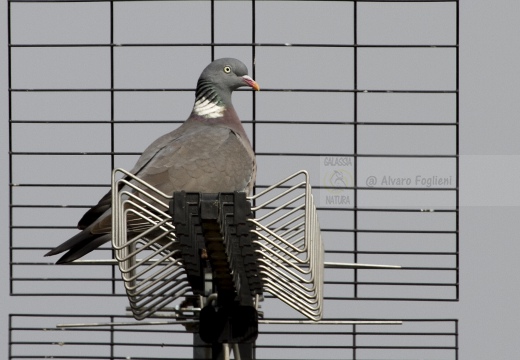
213,251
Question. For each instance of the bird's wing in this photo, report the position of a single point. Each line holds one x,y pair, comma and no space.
101,209
204,158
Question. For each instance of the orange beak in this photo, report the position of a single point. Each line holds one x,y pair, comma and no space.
251,82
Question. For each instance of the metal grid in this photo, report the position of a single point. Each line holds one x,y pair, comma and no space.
416,338
378,109
395,124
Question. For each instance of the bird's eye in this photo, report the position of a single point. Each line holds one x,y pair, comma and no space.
227,69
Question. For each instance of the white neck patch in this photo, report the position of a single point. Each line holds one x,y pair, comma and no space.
207,109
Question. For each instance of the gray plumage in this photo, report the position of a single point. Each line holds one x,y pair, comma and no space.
209,152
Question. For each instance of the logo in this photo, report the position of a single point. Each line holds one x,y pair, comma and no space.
336,179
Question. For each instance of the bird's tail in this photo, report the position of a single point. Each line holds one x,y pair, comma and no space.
79,245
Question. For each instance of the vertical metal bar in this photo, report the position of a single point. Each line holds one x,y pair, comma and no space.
457,160
112,338
252,350
456,337
253,50
212,30
10,336
112,117
253,73
10,111
355,233
354,343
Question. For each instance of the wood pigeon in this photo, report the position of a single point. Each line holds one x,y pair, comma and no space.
209,153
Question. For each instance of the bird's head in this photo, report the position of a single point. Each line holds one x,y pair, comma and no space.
228,74
216,83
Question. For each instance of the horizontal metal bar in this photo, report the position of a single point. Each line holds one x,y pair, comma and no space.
359,1
327,282
34,206
101,122
75,315
330,322
364,333
42,227
359,347
105,294
98,343
113,261
260,186
370,231
388,283
130,323
375,91
107,153
313,45
391,252
267,122
450,156
72,153
260,321
53,206
57,185
363,298
77,279
323,208
336,265
393,231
